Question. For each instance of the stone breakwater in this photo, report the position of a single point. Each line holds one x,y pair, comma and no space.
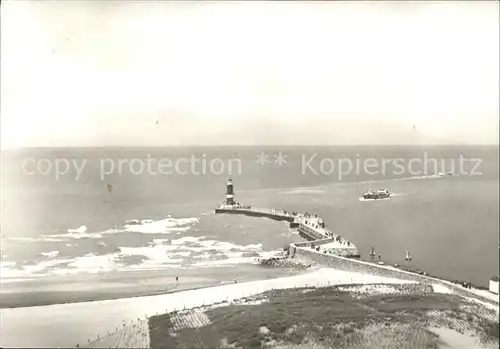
305,254
310,226
278,215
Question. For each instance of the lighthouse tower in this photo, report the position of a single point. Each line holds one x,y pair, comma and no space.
229,192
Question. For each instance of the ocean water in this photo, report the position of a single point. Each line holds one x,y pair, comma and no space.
95,210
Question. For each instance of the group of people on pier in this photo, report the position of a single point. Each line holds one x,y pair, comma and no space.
313,220
237,204
284,212
337,239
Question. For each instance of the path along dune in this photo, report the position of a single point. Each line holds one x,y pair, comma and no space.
66,325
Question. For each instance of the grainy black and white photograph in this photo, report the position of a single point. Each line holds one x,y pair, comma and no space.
249,174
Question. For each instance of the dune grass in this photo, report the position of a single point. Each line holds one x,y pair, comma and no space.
320,317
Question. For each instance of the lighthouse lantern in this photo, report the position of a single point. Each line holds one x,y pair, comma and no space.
229,192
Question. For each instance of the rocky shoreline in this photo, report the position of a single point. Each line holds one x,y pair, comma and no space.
284,262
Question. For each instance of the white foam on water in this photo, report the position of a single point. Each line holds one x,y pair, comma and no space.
7,270
225,262
94,264
7,264
145,226
52,239
185,239
72,235
147,266
223,252
22,239
10,271
81,229
157,258
184,254
156,254
88,263
363,199
167,225
271,254
50,254
187,251
161,241
398,194
225,246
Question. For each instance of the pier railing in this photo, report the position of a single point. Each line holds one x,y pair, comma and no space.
258,212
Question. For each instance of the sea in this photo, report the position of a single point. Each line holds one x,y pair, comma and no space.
78,211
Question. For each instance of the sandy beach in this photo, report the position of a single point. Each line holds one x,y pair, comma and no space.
56,326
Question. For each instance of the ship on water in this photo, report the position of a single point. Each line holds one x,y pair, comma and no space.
442,174
382,193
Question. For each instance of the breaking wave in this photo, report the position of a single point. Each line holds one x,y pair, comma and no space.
183,252
144,226
50,254
167,225
71,235
82,229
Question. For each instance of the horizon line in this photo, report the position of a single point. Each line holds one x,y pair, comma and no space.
250,145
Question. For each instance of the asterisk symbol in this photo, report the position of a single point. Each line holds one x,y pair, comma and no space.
262,159
280,159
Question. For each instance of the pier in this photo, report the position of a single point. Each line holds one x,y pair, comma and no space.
310,227
232,206
260,212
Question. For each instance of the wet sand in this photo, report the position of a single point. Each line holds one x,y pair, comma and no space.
125,284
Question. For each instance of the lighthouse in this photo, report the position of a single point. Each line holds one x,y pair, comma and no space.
229,192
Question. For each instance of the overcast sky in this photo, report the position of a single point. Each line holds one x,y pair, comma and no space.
97,73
